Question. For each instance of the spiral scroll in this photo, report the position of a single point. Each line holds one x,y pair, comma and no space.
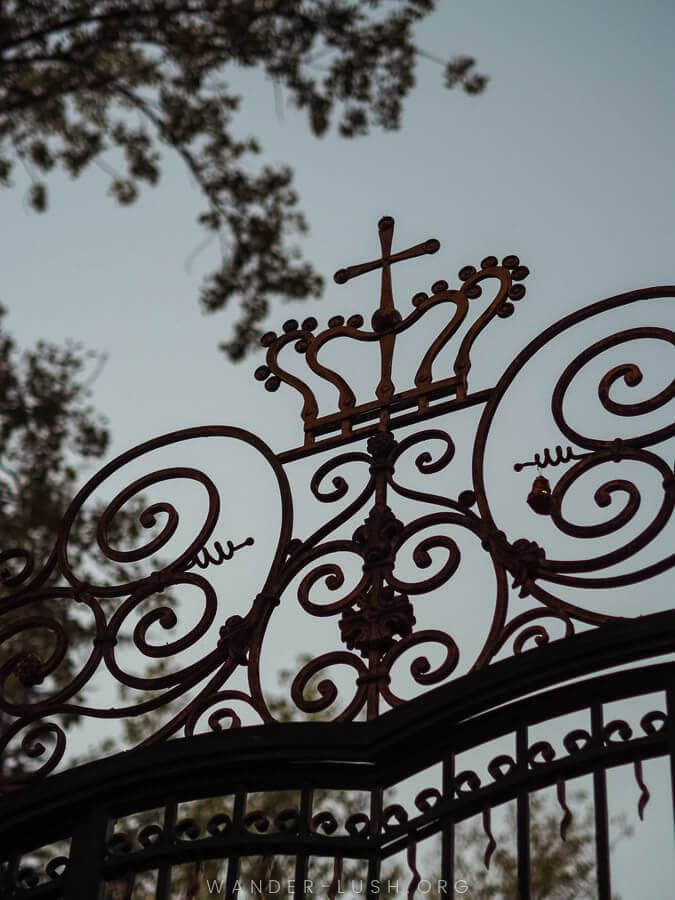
326,688
402,539
619,495
37,687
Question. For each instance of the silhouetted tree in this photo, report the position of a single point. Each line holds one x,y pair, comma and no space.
259,876
559,869
49,434
78,79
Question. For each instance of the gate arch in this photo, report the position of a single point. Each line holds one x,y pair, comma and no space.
522,678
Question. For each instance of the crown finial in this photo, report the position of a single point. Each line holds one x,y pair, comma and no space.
386,231
387,316
387,324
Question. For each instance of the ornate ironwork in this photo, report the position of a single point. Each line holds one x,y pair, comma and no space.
387,323
374,617
240,771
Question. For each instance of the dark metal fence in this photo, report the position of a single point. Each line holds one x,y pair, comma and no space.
372,740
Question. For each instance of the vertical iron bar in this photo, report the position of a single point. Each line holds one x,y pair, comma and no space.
13,866
448,832
233,860
164,868
600,805
385,388
372,685
670,725
523,816
83,878
301,857
374,861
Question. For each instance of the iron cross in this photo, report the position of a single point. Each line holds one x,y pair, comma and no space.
386,230
387,315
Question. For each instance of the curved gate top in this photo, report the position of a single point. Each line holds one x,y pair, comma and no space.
555,619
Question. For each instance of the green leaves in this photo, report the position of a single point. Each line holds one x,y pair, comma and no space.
80,82
49,432
37,196
123,190
41,156
460,72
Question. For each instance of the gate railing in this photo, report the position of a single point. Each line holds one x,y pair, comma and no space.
374,614
329,760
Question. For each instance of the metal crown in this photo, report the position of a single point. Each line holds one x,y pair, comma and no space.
386,324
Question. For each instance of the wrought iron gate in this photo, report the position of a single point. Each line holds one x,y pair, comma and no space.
525,675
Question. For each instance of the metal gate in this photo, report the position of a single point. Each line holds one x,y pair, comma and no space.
196,817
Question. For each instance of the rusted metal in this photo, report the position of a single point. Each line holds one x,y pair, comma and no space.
456,719
375,617
387,324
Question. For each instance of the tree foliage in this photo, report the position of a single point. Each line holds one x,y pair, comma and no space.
49,434
81,79
559,869
260,876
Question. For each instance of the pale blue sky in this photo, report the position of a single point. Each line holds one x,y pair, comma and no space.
567,160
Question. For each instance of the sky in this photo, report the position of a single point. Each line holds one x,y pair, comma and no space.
566,160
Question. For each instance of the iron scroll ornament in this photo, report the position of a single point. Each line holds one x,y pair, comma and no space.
375,614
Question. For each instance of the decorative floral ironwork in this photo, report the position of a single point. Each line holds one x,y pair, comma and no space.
251,818
375,616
